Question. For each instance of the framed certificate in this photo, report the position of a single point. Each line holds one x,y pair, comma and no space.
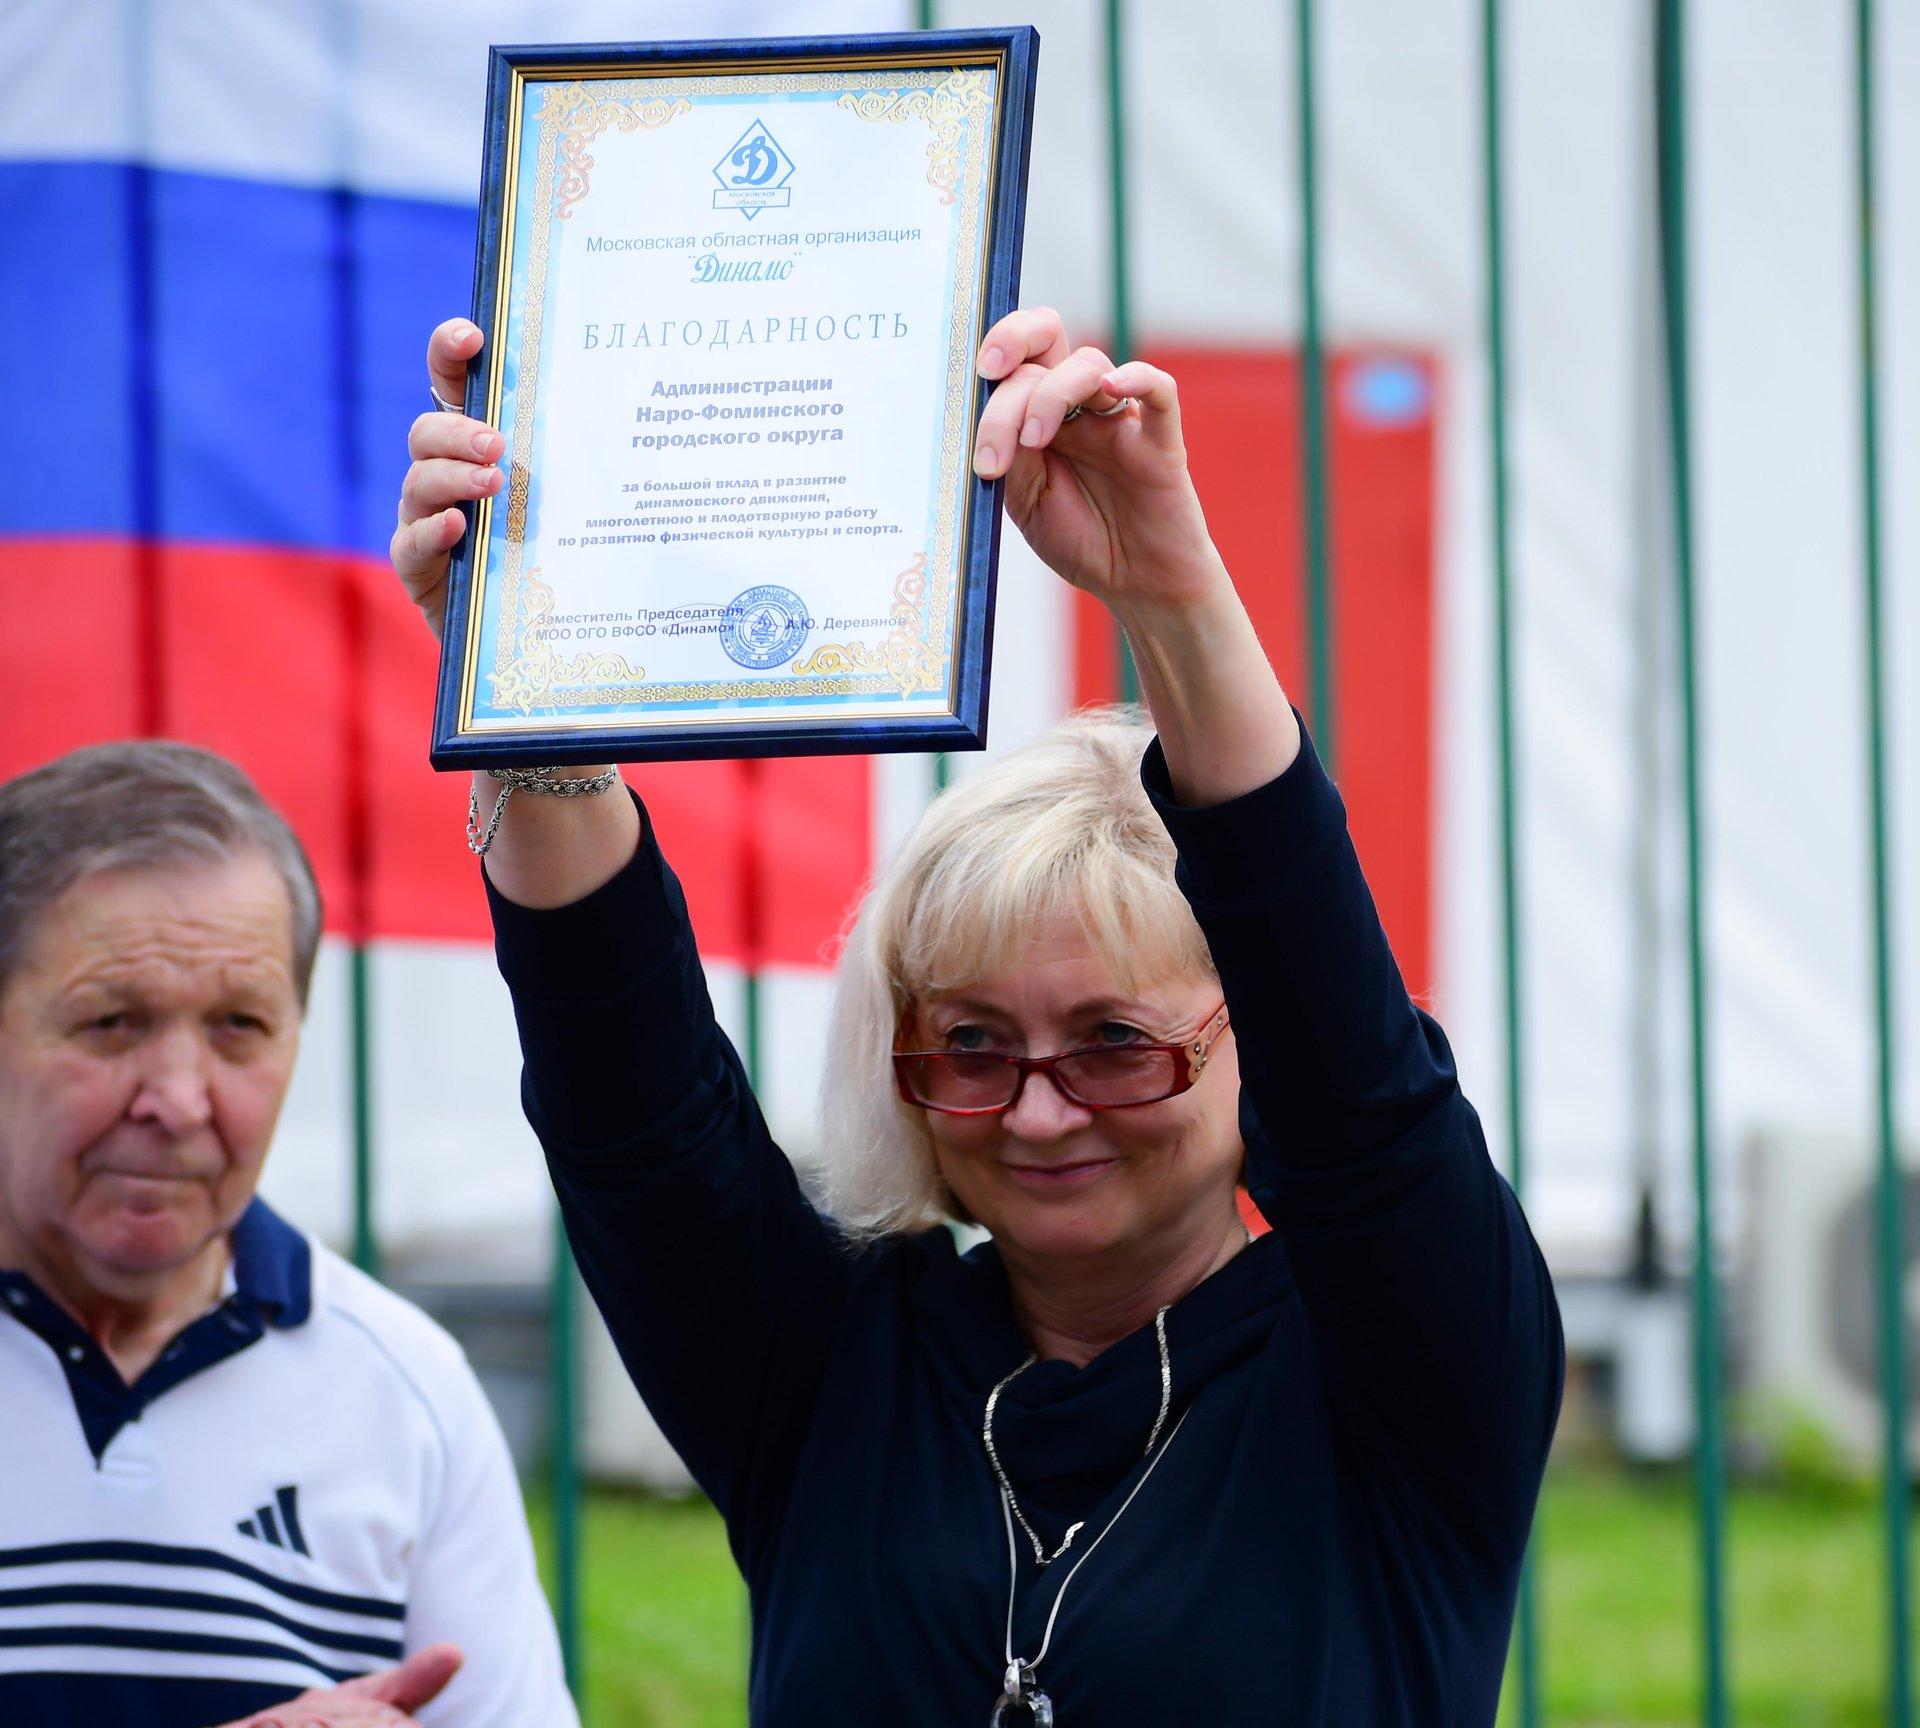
732,295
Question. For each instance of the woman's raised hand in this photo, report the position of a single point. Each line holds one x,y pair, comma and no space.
548,851
1104,498
454,462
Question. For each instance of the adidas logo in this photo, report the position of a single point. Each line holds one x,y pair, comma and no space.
277,1525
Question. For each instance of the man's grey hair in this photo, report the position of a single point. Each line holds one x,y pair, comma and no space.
139,805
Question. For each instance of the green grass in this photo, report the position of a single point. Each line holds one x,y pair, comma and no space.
666,1632
1619,1578
665,1614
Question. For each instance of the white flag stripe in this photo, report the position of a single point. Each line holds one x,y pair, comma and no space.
119,79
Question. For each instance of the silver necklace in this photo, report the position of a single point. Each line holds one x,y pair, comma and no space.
1040,1555
1020,1687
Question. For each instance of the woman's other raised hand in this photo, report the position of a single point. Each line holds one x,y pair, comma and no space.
1103,496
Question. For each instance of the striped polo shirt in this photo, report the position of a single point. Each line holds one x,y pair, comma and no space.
306,1485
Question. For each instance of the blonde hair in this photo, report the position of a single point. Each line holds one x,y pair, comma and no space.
1059,828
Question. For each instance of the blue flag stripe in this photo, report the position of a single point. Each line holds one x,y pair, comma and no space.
201,358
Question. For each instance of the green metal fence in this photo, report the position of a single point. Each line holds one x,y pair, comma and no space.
1891,1255
1668,73
1526,1666
1709,1457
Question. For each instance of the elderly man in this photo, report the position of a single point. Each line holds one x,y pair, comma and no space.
238,1472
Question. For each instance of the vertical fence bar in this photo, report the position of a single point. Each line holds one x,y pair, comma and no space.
751,1016
1709,1463
357,914
1893,1390
1313,405
751,948
1526,1650
366,1246
1119,275
563,1392
752,803
359,920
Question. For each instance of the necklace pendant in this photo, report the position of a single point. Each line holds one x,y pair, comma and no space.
1021,1692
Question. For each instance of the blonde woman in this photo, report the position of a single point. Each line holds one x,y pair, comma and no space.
1118,1464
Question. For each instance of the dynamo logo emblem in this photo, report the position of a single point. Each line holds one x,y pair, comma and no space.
753,174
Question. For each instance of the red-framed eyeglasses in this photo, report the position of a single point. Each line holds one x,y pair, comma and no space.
1105,1077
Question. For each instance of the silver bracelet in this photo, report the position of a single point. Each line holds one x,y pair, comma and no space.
546,782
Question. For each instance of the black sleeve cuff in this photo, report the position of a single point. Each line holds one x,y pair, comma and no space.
1242,852
595,947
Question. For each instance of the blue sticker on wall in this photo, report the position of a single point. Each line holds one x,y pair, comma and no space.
1388,393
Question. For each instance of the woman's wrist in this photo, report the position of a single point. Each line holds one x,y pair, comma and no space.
550,851
1181,604
1224,722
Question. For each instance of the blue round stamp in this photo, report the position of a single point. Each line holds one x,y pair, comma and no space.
764,627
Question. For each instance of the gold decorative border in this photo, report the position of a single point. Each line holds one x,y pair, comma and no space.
947,97
946,107
538,676
581,116
906,658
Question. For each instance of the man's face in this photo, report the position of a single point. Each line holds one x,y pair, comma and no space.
146,1043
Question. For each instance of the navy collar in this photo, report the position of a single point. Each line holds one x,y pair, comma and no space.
273,1286
273,1266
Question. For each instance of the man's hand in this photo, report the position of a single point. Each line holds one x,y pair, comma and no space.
384,1700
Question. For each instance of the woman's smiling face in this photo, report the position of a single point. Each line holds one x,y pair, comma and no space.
1052,1179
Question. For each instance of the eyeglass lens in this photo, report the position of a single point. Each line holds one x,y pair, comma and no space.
961,1080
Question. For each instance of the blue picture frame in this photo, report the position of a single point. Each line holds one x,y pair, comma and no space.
545,739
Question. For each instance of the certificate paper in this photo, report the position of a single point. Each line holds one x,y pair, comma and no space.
732,296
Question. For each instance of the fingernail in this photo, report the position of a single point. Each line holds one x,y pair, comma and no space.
484,477
483,446
1030,433
991,360
985,459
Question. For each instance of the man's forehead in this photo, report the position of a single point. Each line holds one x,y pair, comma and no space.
230,919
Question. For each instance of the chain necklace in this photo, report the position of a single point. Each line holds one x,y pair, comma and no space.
1020,1687
1040,1555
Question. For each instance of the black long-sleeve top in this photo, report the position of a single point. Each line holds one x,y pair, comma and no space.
1334,1535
